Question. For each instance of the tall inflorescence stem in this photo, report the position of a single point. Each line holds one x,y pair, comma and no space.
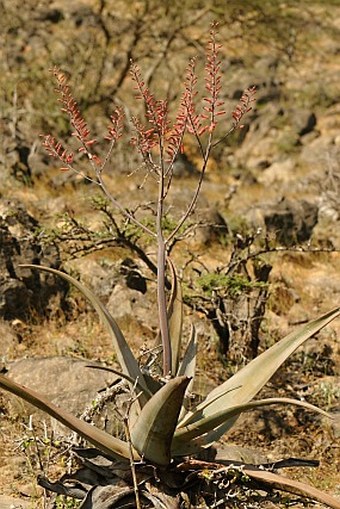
151,143
159,142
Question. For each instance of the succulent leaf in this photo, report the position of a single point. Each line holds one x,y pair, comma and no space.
153,431
125,357
108,444
152,383
280,482
247,382
188,367
188,364
122,375
206,424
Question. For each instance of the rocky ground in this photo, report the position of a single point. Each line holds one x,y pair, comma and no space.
272,189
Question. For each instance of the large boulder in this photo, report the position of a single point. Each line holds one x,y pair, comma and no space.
14,503
66,382
291,221
21,290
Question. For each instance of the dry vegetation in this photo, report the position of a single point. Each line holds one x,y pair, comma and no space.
289,52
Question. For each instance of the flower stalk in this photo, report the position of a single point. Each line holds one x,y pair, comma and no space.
159,143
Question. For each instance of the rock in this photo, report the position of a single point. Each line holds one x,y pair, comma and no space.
127,302
211,227
278,172
258,163
67,179
66,382
183,167
51,15
8,339
292,221
304,121
83,15
313,154
229,452
24,290
329,184
261,140
14,298
134,278
14,503
100,276
121,287
329,122
335,424
18,159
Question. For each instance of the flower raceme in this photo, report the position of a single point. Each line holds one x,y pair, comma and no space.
244,106
156,134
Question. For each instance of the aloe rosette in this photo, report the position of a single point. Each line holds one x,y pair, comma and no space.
164,429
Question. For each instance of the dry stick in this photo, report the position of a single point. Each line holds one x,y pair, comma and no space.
125,212
132,463
100,183
125,419
48,459
34,438
194,199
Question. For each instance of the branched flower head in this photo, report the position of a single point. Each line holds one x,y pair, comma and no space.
144,139
155,135
156,110
115,129
244,106
213,107
70,106
55,149
186,117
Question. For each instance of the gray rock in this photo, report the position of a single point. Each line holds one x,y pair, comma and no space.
14,503
313,154
211,227
99,276
66,382
238,453
260,143
281,172
292,221
22,290
127,302
8,339
51,15
18,160
336,424
303,121
183,167
133,276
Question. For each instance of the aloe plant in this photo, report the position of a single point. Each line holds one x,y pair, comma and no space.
166,432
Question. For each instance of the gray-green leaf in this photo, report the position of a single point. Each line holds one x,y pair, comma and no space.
153,431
